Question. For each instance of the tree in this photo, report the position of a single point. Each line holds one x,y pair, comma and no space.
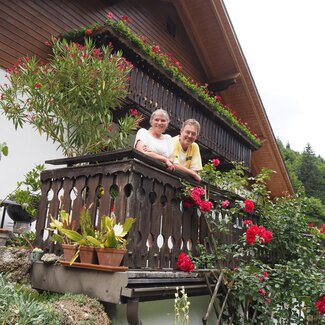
310,175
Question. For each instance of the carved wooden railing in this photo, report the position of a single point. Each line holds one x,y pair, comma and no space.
151,88
138,187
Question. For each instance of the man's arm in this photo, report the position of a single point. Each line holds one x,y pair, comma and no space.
188,171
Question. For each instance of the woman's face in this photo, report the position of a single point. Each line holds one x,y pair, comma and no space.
159,123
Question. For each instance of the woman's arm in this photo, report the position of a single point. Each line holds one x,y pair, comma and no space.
144,149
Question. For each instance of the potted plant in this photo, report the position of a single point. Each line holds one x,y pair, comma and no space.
110,240
56,226
22,203
82,246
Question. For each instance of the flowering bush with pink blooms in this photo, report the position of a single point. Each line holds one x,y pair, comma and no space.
72,97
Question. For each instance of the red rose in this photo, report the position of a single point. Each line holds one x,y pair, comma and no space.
251,233
205,206
215,162
225,204
248,222
109,15
184,263
88,31
264,234
38,86
196,194
262,292
249,206
320,305
187,203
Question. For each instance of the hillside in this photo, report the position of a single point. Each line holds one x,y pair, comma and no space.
307,173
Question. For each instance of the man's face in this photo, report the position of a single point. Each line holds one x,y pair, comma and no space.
188,135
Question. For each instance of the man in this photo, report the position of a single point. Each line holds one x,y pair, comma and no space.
187,157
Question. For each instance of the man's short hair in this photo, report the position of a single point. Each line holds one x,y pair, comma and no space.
194,122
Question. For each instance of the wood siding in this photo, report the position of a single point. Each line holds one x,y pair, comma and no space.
25,25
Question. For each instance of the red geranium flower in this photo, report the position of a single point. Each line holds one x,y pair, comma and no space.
320,305
215,162
125,18
184,263
249,206
88,31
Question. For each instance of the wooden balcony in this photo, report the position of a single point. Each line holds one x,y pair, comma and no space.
138,187
151,88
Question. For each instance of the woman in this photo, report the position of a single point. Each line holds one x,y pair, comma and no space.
153,142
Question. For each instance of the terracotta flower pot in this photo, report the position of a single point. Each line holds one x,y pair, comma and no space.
69,251
88,255
110,256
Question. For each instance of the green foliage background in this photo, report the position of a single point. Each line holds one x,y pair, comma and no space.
307,172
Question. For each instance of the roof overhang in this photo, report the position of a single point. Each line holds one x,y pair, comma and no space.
214,39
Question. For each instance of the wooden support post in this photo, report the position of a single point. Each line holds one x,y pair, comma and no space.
205,318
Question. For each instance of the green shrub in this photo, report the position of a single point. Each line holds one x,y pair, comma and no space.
22,306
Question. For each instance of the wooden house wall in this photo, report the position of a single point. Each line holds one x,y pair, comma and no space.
26,24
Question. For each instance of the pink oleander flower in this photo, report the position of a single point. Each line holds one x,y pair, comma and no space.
133,111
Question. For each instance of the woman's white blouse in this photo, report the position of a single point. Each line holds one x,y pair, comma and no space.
163,146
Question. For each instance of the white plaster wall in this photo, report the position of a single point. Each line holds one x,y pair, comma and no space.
27,148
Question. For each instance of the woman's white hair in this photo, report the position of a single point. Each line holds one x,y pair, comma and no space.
159,111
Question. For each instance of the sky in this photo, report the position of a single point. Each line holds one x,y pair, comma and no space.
284,44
